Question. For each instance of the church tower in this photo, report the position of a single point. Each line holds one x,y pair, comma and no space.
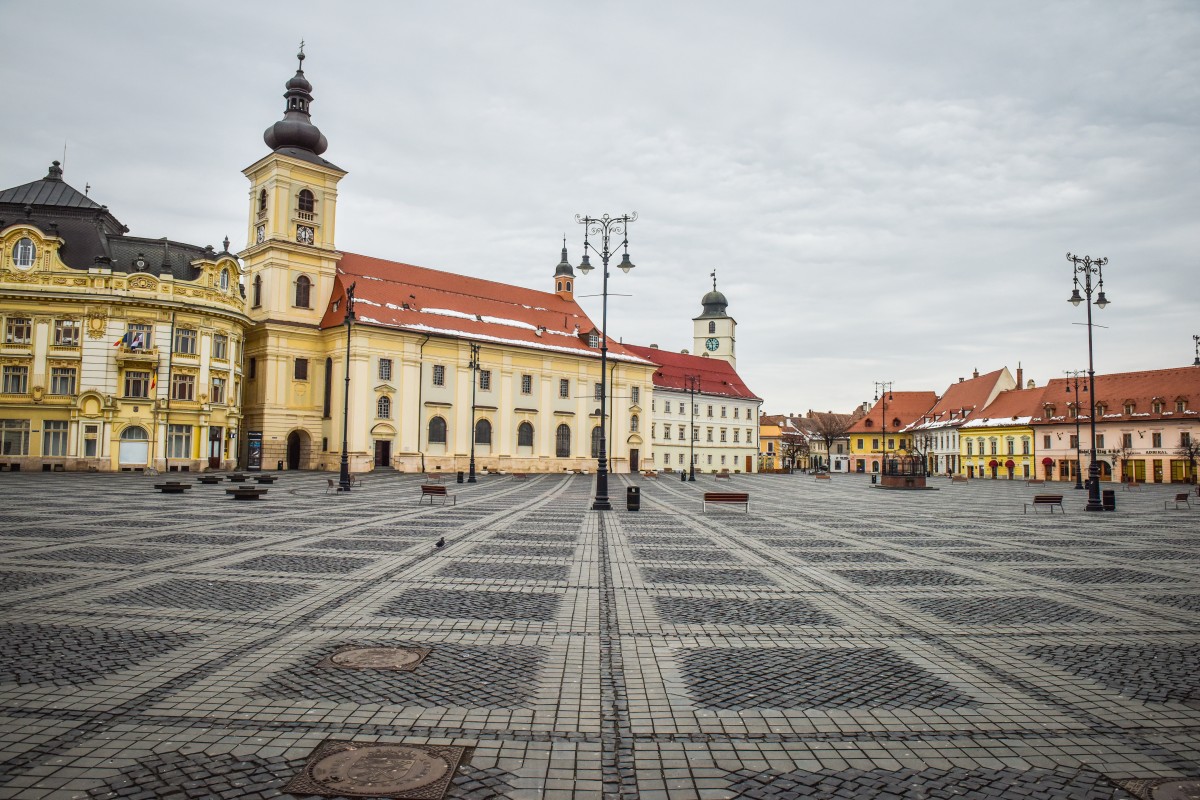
564,276
714,331
290,256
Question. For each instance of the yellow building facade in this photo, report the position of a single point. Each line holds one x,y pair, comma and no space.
119,353
440,366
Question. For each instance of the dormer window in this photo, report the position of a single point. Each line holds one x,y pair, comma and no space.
24,253
593,339
868,423
1130,407
1048,410
1181,405
1157,406
1100,409
1073,410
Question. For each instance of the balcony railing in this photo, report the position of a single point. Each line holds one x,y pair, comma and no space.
139,355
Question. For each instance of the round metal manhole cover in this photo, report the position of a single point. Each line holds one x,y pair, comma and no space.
370,769
405,659
1177,790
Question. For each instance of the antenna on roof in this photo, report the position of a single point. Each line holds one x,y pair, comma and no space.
87,187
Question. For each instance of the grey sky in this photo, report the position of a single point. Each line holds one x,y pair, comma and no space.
886,190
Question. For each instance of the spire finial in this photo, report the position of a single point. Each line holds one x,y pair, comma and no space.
300,55
714,277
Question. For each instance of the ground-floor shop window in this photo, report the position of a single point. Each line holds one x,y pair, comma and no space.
14,437
179,441
54,437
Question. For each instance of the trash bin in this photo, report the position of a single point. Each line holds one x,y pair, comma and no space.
874,479
683,477
460,476
279,466
1109,500
633,498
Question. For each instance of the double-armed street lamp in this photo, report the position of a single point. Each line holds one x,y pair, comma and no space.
883,389
693,381
344,477
1073,378
474,367
605,228
1087,267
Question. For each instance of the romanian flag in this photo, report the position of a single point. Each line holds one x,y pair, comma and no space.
153,381
123,340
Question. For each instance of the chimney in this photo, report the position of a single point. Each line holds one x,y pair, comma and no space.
653,347
976,375
1020,376
960,380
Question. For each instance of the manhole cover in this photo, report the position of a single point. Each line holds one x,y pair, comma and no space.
368,769
1177,790
403,659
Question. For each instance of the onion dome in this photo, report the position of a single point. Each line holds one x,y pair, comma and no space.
296,128
564,267
714,302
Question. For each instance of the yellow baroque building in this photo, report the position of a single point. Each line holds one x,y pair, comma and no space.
119,353
441,367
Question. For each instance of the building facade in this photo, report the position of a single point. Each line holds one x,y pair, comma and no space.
119,352
936,432
441,367
881,431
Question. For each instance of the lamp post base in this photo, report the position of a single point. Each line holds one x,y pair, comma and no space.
601,505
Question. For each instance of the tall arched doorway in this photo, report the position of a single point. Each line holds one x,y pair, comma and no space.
134,450
295,443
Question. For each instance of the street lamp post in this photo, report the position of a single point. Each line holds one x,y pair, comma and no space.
1087,267
692,381
604,227
883,389
1073,376
1196,339
474,365
344,478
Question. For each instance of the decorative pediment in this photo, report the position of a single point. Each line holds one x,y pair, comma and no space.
383,429
385,388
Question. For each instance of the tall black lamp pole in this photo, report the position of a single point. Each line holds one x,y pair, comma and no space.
1087,267
1073,376
883,389
474,365
1196,339
692,379
344,479
604,227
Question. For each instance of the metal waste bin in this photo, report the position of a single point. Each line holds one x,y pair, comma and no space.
874,479
683,476
460,476
279,466
633,498
1109,500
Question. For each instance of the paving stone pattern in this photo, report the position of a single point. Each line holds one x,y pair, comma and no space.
835,642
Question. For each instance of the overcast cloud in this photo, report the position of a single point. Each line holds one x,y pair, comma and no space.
886,190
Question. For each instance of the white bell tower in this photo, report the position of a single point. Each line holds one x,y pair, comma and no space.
714,331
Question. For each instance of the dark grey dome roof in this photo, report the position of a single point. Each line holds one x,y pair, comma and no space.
296,128
564,267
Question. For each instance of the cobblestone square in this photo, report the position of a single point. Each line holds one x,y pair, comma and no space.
837,641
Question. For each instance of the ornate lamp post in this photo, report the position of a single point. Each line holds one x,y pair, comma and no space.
1073,376
474,366
1196,339
604,227
344,479
1087,267
692,381
883,389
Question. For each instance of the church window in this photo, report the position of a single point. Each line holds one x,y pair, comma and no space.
526,384
485,380
524,435
437,431
327,401
439,375
564,387
633,423
562,442
596,440
24,252
635,395
305,203
568,286
483,432
385,369
712,327
262,202
256,295
383,408
597,390
300,369
303,289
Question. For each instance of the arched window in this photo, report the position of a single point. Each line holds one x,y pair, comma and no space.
262,202
134,433
596,442
568,286
224,280
257,294
328,387
303,285
305,202
633,423
437,431
712,327
524,435
383,408
483,432
24,252
562,441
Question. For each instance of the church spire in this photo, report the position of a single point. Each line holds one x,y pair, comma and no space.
296,128
564,276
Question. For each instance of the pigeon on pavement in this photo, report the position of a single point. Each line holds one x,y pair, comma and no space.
440,543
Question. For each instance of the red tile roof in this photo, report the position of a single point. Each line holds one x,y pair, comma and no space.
1011,407
902,408
716,376
1139,388
390,294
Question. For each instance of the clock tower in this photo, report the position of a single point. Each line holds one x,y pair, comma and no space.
714,331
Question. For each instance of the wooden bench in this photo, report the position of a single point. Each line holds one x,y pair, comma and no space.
1182,497
1047,500
211,480
735,498
650,474
433,490
172,487
724,475
245,492
433,477
959,479
821,476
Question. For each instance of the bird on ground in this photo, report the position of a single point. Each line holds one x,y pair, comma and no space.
440,543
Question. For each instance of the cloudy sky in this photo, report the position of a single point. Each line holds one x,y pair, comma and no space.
886,190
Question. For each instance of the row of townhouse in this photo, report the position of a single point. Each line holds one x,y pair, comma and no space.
815,441
997,427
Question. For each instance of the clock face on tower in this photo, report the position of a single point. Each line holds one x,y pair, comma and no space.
260,234
712,344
